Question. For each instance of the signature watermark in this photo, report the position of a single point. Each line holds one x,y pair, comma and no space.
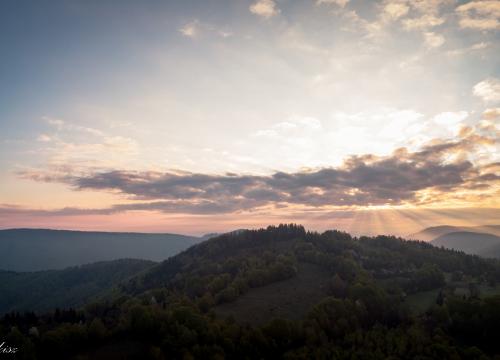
6,349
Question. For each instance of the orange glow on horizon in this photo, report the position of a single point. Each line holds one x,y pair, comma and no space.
400,222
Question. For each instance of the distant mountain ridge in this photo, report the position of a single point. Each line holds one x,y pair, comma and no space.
45,249
434,232
481,240
486,245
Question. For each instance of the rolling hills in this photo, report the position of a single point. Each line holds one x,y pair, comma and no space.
486,245
41,249
478,240
284,293
72,287
431,233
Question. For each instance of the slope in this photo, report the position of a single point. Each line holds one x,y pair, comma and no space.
434,232
285,293
469,242
40,249
71,287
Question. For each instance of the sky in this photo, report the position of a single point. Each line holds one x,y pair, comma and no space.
208,116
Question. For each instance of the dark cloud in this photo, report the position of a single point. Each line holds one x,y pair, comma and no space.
204,207
361,181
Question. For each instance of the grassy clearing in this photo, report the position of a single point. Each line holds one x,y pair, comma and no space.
290,299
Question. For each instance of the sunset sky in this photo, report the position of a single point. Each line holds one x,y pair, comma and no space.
208,116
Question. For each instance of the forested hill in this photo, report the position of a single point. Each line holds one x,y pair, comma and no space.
253,252
71,287
284,292
486,245
44,249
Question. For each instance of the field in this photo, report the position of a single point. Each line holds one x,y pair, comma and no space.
281,299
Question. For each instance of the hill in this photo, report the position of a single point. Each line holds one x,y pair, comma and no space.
284,293
491,251
434,232
470,242
41,249
71,287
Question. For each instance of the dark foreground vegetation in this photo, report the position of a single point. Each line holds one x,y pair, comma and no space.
363,300
72,287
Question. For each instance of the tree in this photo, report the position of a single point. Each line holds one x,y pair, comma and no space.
337,287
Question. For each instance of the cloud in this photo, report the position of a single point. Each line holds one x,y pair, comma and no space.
44,138
224,33
191,29
58,123
84,146
395,10
450,119
488,90
491,114
423,22
295,125
316,143
420,15
475,47
424,14
480,15
433,40
431,174
61,125
108,151
430,6
186,207
264,8
195,29
341,3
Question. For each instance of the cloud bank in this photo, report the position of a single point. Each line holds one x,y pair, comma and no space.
480,15
433,174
